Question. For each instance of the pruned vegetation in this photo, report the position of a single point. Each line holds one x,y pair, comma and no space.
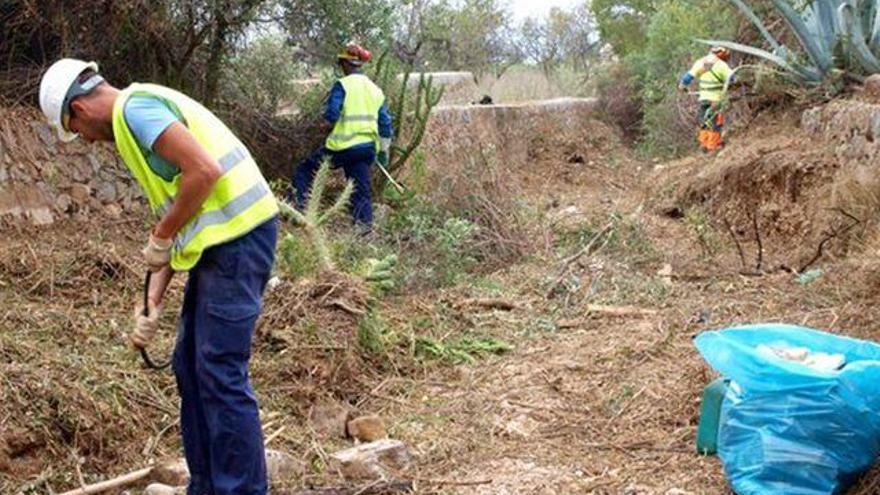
520,316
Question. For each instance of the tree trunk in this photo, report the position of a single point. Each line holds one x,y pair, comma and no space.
217,50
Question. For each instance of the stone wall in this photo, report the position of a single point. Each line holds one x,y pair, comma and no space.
512,132
43,180
852,126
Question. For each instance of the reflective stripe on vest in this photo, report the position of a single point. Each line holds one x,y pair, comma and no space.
240,200
227,162
359,122
226,212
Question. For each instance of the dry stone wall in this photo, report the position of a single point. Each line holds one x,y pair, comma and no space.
43,180
852,126
512,132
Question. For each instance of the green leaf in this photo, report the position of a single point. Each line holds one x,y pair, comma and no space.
855,37
818,54
751,16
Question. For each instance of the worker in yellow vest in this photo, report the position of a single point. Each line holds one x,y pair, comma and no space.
360,126
217,219
713,76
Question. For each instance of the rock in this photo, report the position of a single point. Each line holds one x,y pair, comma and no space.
113,211
273,283
161,489
872,85
521,427
371,460
93,160
172,472
367,428
106,192
811,120
63,203
638,490
46,133
80,193
329,419
41,216
281,466
665,274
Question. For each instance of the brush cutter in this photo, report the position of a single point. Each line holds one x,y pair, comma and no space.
144,354
397,186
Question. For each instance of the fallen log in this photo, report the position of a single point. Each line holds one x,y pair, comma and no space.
117,482
599,309
489,303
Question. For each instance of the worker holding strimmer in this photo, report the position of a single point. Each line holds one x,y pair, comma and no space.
360,125
217,220
713,76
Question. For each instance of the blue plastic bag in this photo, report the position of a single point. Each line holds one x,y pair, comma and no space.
787,429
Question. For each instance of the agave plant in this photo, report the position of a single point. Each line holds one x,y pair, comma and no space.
823,28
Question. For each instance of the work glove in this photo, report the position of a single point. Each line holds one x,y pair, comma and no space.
145,326
157,252
384,147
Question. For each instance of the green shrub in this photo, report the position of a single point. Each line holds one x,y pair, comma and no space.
462,350
296,257
374,334
263,74
436,248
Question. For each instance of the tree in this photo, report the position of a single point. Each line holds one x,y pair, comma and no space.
472,35
622,23
181,43
317,29
563,37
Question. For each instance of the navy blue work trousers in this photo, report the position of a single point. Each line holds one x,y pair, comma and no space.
356,163
219,417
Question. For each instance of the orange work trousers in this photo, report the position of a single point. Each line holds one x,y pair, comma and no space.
711,124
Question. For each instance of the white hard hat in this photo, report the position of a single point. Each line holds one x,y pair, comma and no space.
53,91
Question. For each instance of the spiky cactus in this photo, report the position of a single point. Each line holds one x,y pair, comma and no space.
379,273
409,123
312,220
426,98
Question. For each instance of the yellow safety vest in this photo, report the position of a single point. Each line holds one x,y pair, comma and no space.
712,73
241,199
358,122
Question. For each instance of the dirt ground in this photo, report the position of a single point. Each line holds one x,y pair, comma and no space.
586,402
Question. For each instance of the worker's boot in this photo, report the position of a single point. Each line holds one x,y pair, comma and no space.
714,142
705,140
281,466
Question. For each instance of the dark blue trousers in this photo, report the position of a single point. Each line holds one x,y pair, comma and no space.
356,163
219,418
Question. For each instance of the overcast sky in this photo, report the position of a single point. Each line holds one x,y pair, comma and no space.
537,8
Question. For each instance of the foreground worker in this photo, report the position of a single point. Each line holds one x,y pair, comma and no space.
360,121
218,221
712,74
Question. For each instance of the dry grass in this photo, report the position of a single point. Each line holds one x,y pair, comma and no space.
584,403
523,83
